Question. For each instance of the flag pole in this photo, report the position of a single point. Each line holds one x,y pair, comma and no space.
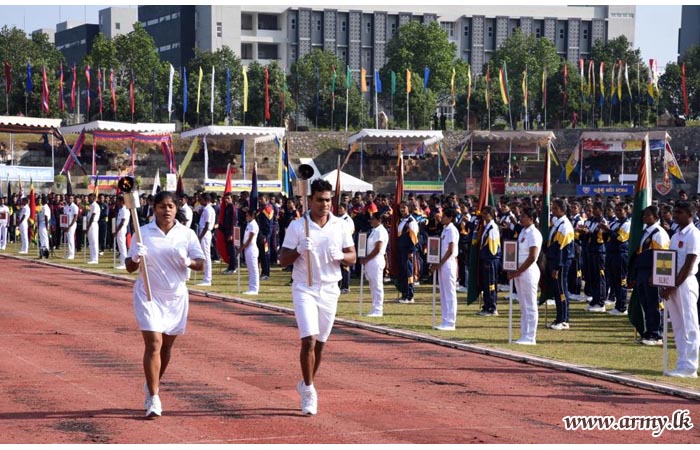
408,107
376,107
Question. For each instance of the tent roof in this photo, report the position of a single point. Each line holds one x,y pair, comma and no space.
347,181
374,136
260,134
624,135
539,137
122,127
21,124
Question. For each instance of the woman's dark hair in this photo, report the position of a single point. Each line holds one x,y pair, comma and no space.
164,195
530,213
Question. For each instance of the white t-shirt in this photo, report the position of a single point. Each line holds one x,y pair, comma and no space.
23,216
43,215
378,234
686,242
449,234
529,237
188,215
70,210
335,233
122,214
251,229
94,211
208,216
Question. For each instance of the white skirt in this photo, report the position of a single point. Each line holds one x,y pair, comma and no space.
165,314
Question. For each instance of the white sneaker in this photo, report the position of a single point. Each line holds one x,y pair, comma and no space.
250,293
524,342
617,312
154,408
559,326
680,374
120,267
551,302
309,399
587,298
93,262
596,309
461,289
609,302
652,342
445,327
374,314
203,284
416,283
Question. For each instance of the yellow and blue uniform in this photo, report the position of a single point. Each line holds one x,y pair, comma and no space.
559,253
595,248
489,265
618,257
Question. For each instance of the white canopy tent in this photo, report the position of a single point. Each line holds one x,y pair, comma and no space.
347,182
22,125
257,134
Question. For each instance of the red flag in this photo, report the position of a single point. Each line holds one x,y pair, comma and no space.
44,92
267,95
566,82
72,91
8,77
336,195
61,106
220,236
112,87
485,198
99,88
87,92
131,95
32,209
684,89
394,232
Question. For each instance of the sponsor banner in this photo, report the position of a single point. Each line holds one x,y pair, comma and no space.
24,173
523,188
599,145
104,182
424,187
605,189
218,185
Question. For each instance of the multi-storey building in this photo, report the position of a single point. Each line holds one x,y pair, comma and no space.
116,21
689,33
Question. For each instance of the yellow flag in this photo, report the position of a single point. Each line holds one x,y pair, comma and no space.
363,80
199,87
408,81
524,86
245,89
469,85
452,87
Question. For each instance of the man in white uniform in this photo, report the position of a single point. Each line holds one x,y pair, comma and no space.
251,253
43,219
683,299
375,263
327,244
23,224
120,231
447,270
71,211
206,224
4,219
93,229
527,276
185,208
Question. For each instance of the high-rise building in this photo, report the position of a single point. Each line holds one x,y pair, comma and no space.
689,34
116,21
173,29
74,40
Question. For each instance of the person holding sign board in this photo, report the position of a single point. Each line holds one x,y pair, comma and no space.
527,276
171,249
447,270
374,263
683,299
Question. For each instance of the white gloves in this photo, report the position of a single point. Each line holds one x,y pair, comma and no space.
305,246
335,253
141,250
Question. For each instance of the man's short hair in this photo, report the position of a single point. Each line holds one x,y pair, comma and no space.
320,185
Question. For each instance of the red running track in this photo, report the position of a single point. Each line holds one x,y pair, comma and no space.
70,372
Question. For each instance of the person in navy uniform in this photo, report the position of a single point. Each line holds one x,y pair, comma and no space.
618,256
489,262
559,252
406,245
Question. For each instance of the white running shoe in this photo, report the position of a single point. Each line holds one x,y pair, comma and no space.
154,408
250,293
374,314
617,312
93,262
524,342
462,289
680,374
120,268
597,309
309,399
204,284
445,327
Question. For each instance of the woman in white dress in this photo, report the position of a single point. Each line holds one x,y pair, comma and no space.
250,250
170,249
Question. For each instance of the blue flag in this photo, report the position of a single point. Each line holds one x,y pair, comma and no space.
184,89
377,82
426,75
30,86
228,91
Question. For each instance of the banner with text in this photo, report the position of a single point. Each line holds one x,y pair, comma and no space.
36,174
605,189
523,188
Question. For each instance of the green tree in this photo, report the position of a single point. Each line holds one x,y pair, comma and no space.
256,96
670,84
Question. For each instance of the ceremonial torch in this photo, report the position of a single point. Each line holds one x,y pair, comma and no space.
306,171
131,201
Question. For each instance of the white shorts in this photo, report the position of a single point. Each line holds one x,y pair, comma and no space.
314,309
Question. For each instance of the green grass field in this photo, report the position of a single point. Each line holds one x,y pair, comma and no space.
595,339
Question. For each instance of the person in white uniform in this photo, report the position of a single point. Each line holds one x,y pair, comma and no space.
121,221
43,220
249,248
23,224
447,270
170,249
327,244
207,219
527,276
187,211
71,211
375,262
93,229
4,219
683,299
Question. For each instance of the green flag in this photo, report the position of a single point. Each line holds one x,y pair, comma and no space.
393,82
348,78
642,199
